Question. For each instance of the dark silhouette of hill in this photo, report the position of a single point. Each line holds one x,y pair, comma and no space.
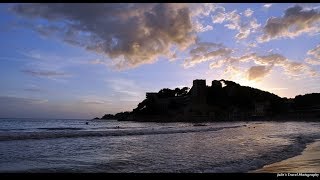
307,101
222,101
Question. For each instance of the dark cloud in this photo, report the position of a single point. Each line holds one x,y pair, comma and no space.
130,34
294,22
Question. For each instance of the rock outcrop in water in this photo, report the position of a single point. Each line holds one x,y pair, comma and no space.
222,101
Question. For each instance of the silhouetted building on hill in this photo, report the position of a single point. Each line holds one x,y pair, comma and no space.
198,109
216,84
199,92
223,100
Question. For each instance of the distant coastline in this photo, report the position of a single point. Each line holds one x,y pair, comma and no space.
222,101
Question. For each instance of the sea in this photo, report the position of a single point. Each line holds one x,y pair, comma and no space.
110,146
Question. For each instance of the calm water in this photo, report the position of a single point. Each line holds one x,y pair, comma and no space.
68,145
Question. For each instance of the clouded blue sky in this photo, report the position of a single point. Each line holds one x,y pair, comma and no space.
85,60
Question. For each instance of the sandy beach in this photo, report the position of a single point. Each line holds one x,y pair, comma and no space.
307,162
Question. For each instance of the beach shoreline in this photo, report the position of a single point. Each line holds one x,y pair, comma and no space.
306,162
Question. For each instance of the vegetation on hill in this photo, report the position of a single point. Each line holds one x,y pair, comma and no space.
223,99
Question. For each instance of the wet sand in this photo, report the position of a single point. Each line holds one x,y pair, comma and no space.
307,162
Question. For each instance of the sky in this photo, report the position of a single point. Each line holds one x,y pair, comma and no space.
87,60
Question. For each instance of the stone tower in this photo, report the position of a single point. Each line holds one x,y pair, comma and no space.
199,92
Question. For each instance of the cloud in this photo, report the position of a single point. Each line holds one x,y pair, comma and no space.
33,89
45,73
204,47
312,61
258,72
252,45
246,28
294,22
230,60
216,64
95,100
13,100
204,9
234,22
40,101
201,28
203,52
218,18
248,12
315,56
267,6
290,67
233,72
263,66
309,6
125,89
130,34
315,52
51,59
51,65
99,61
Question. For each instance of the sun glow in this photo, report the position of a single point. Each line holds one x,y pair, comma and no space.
245,82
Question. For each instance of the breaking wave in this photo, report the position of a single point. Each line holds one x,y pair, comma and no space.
63,133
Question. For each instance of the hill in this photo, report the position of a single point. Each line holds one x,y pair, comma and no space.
222,101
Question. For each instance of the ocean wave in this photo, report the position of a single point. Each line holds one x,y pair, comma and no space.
61,128
17,129
8,136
